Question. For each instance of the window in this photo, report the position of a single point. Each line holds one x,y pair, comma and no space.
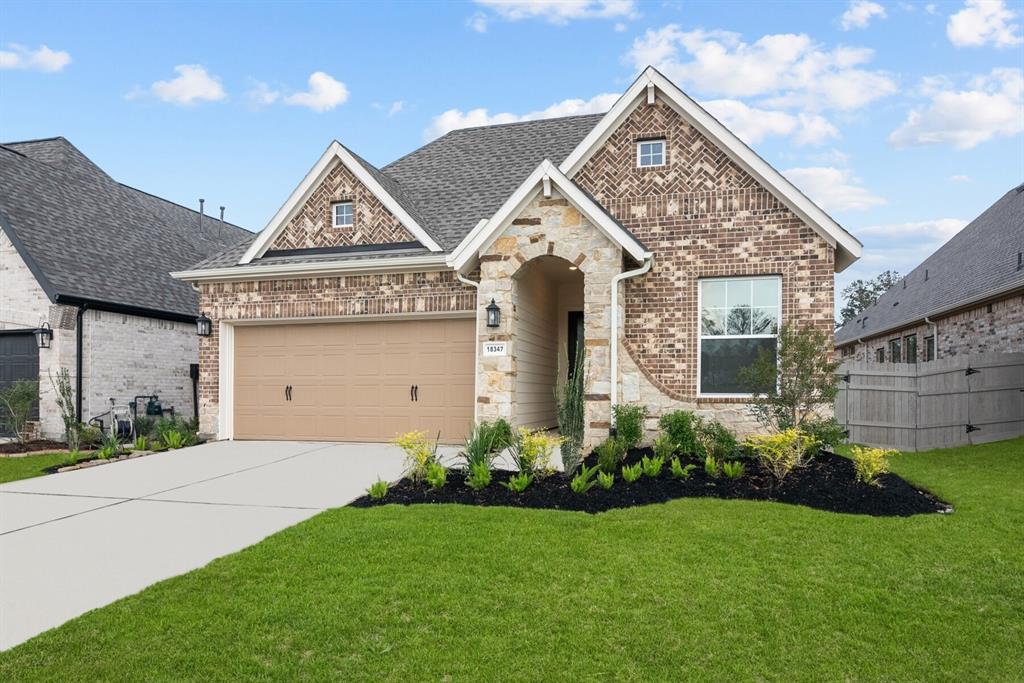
929,348
650,153
880,355
343,215
739,319
894,351
910,348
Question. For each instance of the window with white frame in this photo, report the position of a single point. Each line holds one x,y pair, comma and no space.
650,153
342,214
739,321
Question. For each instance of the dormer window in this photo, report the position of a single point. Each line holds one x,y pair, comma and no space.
650,153
342,214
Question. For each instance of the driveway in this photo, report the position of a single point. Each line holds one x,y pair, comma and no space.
79,540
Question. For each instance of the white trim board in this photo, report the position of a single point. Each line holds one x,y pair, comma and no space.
309,183
848,248
398,264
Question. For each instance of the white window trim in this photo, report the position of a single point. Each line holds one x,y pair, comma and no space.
664,155
700,326
334,215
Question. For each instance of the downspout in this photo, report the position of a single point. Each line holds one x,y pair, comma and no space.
614,341
476,346
79,323
935,335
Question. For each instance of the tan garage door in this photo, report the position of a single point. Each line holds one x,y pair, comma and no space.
358,381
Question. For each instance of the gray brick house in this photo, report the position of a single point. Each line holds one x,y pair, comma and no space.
457,282
89,257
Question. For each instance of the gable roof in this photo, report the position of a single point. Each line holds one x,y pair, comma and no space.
87,237
646,87
976,263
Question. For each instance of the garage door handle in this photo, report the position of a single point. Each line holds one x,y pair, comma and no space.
288,393
411,393
416,392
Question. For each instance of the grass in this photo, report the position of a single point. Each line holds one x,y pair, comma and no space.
697,589
28,466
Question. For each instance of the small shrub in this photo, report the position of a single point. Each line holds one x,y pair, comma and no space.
869,463
436,475
498,434
652,466
532,451
629,423
419,454
141,443
827,432
733,469
16,401
631,473
144,425
610,453
479,476
91,436
584,481
571,402
715,439
679,471
65,398
479,447
711,466
605,480
110,447
783,452
173,439
664,447
679,426
378,489
518,483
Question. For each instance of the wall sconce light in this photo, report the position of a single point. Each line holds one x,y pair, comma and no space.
204,326
43,335
493,315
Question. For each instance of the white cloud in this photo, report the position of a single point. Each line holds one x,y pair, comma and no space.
456,118
192,84
833,189
937,230
41,59
560,11
477,22
792,70
325,93
261,95
860,13
960,178
832,157
930,8
396,106
992,106
750,124
981,22
814,130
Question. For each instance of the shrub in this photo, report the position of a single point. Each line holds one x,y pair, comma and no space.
518,483
531,450
436,475
584,481
605,480
16,401
479,476
479,447
869,463
610,453
110,447
186,430
711,466
679,471
173,439
679,427
419,454
631,473
141,443
826,431
715,439
664,447
378,489
90,436
498,433
570,415
144,425
781,453
733,469
629,423
652,466
65,397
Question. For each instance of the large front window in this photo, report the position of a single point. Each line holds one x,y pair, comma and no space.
739,320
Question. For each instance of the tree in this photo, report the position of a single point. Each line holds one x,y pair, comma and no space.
861,294
801,377
16,401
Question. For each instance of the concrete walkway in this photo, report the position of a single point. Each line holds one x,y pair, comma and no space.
79,540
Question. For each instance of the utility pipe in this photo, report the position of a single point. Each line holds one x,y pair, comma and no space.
476,347
614,341
79,323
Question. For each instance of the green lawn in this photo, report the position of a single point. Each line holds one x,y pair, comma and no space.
693,589
28,466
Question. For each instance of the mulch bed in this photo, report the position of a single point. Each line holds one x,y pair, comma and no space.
827,483
35,446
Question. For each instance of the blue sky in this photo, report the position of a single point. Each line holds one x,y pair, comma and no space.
904,120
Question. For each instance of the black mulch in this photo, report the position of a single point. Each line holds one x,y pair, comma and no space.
828,483
32,446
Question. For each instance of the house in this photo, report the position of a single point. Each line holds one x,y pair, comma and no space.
967,297
84,260
455,283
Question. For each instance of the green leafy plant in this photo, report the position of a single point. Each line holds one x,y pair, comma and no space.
679,471
16,402
144,425
664,447
571,405
606,480
711,466
679,426
629,423
869,463
652,466
436,475
186,430
610,453
64,395
715,439
378,489
141,443
781,453
90,436
532,451
498,433
631,473
733,469
826,432
110,447
479,447
584,481
173,439
518,483
419,454
479,476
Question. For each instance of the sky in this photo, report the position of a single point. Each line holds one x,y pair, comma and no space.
903,120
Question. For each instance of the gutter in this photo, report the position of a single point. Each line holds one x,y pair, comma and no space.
476,346
79,321
354,267
648,263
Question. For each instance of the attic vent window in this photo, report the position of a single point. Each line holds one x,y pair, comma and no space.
650,153
342,215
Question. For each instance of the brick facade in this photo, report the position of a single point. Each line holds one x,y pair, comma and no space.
312,225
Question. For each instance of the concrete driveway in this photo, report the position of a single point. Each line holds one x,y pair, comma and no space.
79,540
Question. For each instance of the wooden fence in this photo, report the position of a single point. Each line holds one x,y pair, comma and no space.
947,402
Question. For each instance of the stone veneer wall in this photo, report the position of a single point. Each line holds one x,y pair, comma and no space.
312,226
702,216
322,297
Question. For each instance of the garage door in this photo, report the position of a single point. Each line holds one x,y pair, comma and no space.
358,381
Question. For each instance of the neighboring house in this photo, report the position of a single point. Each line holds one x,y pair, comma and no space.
89,257
967,297
361,310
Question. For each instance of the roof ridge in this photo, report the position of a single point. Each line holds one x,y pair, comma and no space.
187,208
25,142
518,123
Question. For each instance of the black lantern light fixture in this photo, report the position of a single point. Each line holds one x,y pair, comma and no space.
43,335
204,326
493,314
